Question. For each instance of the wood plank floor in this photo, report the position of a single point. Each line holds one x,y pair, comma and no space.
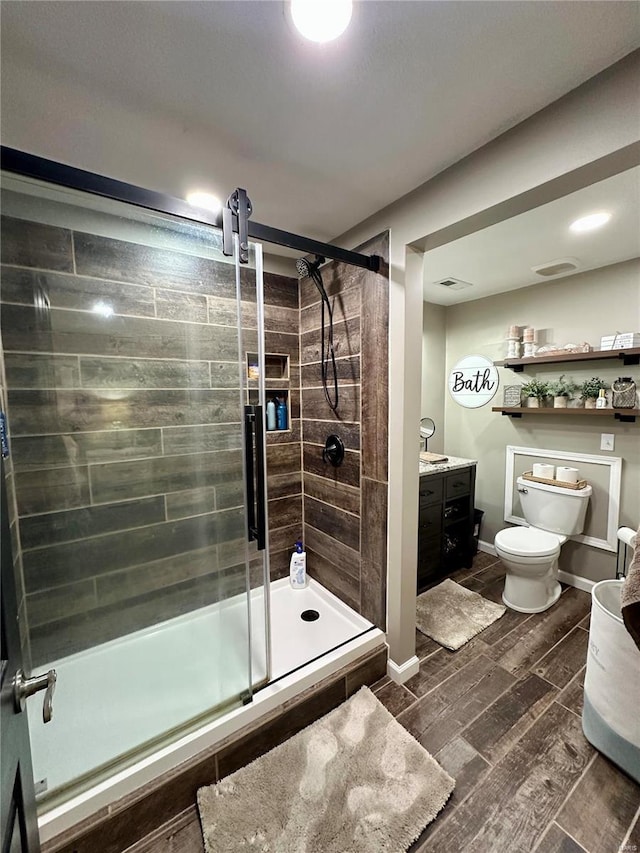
502,716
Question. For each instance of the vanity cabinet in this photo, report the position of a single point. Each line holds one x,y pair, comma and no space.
445,523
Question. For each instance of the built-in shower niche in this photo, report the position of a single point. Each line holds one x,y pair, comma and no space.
277,381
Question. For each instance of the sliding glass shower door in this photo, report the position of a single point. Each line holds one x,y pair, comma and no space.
125,372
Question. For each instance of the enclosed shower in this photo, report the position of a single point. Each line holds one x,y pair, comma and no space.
152,516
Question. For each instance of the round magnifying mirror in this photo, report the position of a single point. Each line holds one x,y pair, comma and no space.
427,429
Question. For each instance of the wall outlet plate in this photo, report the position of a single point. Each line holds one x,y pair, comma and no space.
606,441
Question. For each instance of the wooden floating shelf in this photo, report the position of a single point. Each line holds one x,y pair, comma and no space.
625,415
628,356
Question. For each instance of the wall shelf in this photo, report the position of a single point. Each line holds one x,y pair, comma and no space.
628,357
625,415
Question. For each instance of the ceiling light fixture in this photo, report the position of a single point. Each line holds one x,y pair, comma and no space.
589,223
205,201
321,20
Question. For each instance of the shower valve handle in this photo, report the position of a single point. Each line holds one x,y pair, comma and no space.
25,687
333,450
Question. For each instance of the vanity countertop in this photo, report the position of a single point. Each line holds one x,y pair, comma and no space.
453,462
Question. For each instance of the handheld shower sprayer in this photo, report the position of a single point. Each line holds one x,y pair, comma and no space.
311,269
308,268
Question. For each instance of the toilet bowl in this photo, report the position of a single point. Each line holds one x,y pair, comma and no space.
530,557
530,553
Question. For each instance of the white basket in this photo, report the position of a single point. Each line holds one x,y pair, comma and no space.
611,719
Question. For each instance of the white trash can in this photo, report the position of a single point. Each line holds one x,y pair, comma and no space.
611,714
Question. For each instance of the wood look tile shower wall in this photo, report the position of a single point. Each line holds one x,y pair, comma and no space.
125,430
345,508
126,443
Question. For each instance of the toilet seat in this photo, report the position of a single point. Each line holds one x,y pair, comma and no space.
528,542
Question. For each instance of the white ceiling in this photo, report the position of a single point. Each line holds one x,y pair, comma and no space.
322,136
499,258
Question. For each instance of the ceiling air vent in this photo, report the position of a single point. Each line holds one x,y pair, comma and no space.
453,283
556,267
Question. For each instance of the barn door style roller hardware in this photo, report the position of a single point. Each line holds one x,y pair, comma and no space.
235,219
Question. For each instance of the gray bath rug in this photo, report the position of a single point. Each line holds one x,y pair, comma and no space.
451,615
354,781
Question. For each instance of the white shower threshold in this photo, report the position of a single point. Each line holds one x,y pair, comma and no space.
100,713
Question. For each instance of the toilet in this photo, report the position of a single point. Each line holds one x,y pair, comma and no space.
530,554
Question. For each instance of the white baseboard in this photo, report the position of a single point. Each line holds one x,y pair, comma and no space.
575,580
566,577
404,671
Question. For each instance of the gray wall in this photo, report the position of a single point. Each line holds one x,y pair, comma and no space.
579,308
433,365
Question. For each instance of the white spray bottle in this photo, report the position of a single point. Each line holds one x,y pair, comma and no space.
298,568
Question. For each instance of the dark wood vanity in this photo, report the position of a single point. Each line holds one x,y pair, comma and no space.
446,519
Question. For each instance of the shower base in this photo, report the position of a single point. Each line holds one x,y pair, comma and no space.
112,699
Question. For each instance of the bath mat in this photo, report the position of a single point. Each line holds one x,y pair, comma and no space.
354,781
451,615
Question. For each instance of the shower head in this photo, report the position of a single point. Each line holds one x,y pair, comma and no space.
306,267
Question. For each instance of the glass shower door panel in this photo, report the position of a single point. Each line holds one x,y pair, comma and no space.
122,354
255,380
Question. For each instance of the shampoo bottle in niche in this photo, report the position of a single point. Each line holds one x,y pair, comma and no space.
271,415
298,568
281,414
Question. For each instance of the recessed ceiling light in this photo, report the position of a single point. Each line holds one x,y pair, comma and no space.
321,20
206,201
556,267
588,223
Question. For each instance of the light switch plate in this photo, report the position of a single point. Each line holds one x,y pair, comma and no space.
606,441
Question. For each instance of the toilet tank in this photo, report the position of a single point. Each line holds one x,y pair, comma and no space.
554,508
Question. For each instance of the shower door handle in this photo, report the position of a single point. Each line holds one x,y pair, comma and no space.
24,687
255,475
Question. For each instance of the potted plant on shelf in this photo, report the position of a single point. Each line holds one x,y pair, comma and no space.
534,391
590,390
561,390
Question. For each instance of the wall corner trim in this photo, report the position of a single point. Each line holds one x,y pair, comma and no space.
404,671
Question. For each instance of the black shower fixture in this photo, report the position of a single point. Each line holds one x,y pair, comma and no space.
327,355
333,450
308,268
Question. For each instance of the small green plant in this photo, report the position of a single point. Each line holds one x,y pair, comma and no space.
535,388
562,387
591,388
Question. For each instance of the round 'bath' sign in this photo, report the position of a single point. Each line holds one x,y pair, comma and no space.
474,381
